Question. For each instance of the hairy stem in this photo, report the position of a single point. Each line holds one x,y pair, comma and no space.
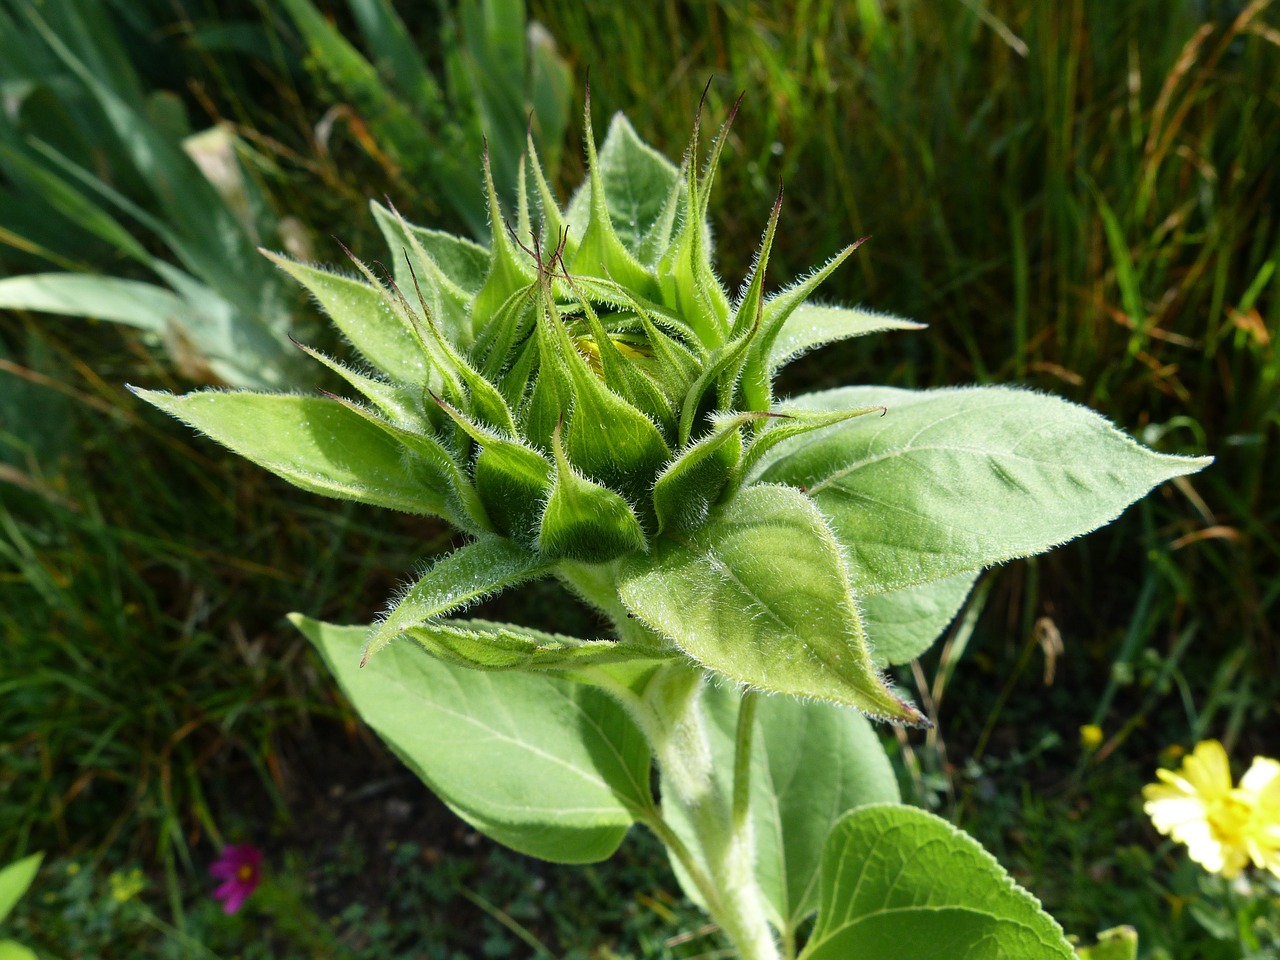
742,762
675,728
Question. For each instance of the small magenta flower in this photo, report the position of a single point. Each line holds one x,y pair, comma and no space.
240,870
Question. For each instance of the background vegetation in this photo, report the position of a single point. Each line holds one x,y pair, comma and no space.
1079,196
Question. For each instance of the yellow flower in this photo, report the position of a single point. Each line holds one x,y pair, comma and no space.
1223,826
1090,736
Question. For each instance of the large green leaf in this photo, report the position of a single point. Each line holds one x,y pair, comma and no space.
317,444
950,480
550,768
902,624
812,762
899,882
759,594
818,762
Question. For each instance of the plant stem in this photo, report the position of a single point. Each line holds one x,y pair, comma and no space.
675,728
742,762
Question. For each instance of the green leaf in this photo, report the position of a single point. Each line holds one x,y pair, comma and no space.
819,761
470,573
142,305
810,326
811,763
315,443
363,314
583,520
15,879
759,594
691,483
899,882
428,260
483,645
902,624
550,768
510,271
400,405
12,950
637,181
955,479
601,252
757,378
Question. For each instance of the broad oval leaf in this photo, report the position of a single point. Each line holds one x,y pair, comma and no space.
902,624
317,444
759,594
548,767
899,882
949,480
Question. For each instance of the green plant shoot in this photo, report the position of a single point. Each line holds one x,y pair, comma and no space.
586,401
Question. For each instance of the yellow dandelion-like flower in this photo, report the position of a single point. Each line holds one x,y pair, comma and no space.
1223,826
1198,806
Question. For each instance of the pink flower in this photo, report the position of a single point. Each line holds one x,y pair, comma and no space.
240,870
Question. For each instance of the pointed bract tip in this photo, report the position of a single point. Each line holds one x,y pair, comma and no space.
733,112
345,249
702,100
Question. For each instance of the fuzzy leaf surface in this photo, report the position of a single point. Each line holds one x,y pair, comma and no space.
485,645
902,624
548,767
365,318
462,577
759,594
810,326
317,444
637,180
899,882
954,479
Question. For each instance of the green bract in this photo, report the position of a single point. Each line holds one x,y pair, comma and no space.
588,392
587,401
